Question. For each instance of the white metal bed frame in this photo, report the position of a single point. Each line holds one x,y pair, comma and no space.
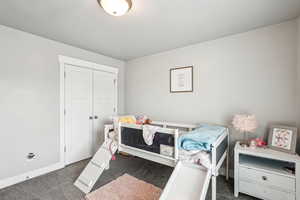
219,152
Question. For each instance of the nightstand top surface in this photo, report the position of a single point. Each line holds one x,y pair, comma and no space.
267,153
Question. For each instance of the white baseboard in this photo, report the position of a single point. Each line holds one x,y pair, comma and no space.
29,175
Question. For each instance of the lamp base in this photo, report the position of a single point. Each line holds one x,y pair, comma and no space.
245,142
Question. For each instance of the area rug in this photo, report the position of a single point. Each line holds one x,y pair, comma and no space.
126,187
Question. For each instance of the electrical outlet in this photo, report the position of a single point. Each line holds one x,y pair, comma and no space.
30,156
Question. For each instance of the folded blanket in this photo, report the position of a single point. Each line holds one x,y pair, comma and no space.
201,138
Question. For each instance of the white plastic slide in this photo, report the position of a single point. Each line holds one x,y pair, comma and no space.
89,176
187,182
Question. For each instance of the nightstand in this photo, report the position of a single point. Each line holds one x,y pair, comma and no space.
262,173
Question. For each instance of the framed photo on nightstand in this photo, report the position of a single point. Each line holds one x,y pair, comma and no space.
283,138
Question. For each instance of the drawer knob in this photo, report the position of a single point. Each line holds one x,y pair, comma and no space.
264,178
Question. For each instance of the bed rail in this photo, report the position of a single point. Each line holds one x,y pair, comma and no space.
175,125
156,157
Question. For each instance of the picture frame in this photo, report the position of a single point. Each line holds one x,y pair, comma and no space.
283,138
181,79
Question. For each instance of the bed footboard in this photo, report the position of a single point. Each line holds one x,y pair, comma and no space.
219,153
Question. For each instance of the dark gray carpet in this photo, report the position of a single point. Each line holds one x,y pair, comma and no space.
58,185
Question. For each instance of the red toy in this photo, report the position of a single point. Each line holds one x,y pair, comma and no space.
260,142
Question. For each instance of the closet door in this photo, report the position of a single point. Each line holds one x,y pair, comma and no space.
105,97
79,112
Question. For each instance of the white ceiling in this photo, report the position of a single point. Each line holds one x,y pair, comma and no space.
151,26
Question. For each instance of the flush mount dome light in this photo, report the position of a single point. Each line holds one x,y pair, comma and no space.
115,7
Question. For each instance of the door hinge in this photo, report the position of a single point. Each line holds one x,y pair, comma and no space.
115,109
65,112
115,81
65,74
65,149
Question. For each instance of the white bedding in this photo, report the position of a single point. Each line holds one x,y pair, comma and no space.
196,157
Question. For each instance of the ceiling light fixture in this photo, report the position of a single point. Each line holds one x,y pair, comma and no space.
115,7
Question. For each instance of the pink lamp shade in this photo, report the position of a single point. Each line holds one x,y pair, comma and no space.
245,123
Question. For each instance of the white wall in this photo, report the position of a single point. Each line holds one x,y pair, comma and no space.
29,102
252,72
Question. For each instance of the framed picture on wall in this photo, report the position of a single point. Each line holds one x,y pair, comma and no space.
181,79
283,138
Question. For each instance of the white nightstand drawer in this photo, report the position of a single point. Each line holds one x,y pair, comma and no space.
264,192
267,179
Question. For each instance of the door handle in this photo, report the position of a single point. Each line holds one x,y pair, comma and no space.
96,117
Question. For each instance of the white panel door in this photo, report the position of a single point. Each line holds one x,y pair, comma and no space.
79,111
105,97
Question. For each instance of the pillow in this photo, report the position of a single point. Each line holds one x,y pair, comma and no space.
127,119
124,119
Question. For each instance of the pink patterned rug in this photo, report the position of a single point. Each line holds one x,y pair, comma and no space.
126,187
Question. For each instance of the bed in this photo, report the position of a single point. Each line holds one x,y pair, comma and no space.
189,181
131,141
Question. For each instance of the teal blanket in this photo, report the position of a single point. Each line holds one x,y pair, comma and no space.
201,138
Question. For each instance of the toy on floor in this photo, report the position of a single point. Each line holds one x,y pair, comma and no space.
112,148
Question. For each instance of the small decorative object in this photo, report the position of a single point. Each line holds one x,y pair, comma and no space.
181,79
283,138
252,144
245,124
141,119
260,142
148,121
